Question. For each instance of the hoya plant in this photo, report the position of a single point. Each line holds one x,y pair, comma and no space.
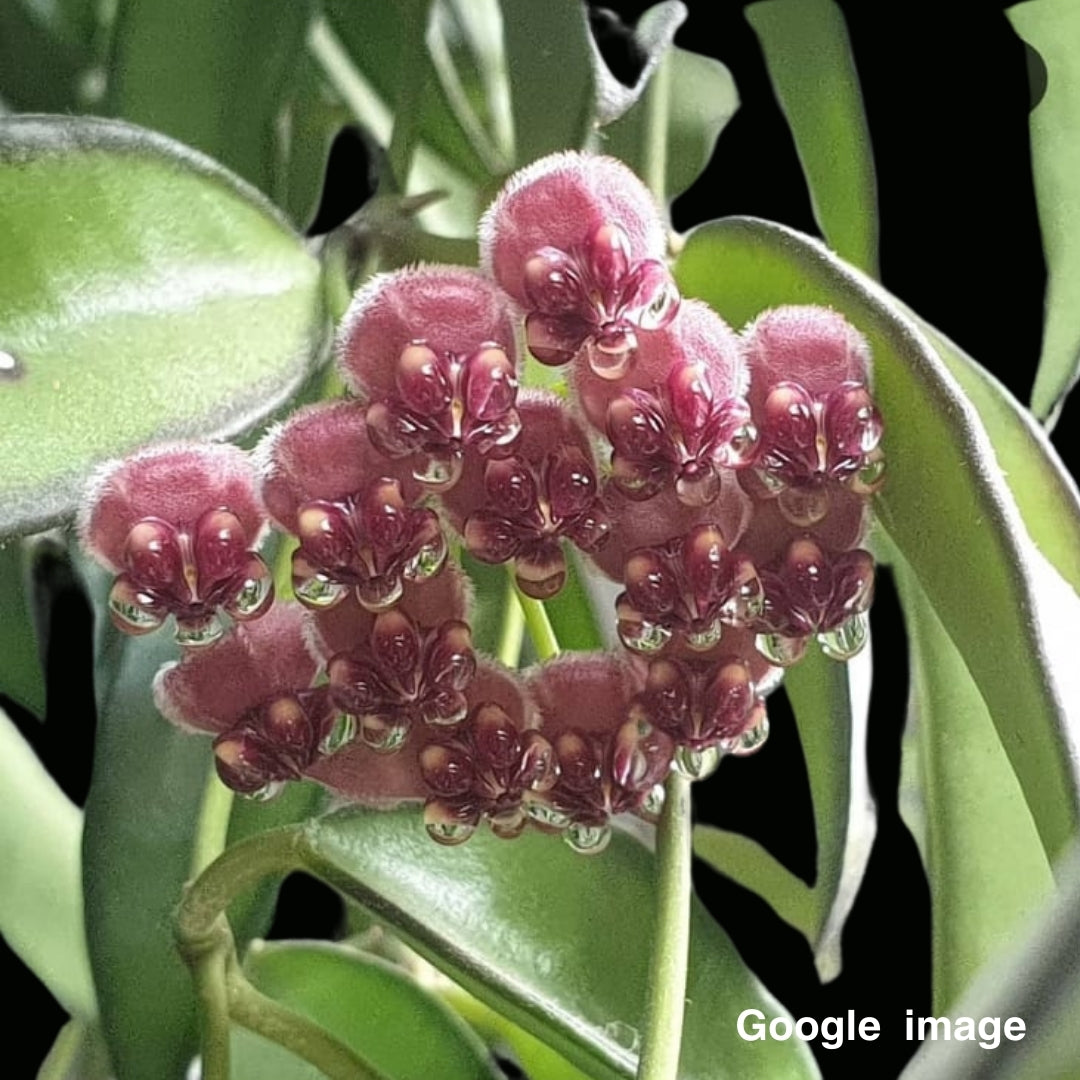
453,528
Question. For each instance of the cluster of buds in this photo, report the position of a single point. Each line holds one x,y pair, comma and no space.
721,478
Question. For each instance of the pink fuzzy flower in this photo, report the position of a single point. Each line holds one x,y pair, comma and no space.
520,508
433,351
680,417
363,775
705,705
577,241
610,759
818,424
487,767
687,588
812,592
253,690
403,674
180,525
356,513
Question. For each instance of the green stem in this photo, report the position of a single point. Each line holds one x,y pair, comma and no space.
212,829
539,626
512,632
206,944
203,936
657,106
297,1033
414,14
239,869
208,963
207,960
671,947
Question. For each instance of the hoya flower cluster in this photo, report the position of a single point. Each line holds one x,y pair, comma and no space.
721,478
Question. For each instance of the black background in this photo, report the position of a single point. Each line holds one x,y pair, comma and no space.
947,93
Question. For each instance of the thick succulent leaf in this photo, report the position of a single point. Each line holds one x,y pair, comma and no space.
549,58
1052,27
215,79
831,704
652,35
376,38
141,813
1045,493
987,870
945,506
44,49
41,910
144,294
1039,981
372,1007
557,942
808,55
669,135
21,676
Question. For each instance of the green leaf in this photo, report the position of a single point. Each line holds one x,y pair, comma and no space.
21,676
988,872
77,1054
946,506
375,38
307,127
41,56
556,942
144,294
41,911
1045,493
808,55
536,1058
1038,981
652,36
141,813
831,703
368,1005
215,79
549,57
1052,28
669,135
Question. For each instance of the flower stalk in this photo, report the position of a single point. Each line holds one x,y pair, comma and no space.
668,966
207,946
